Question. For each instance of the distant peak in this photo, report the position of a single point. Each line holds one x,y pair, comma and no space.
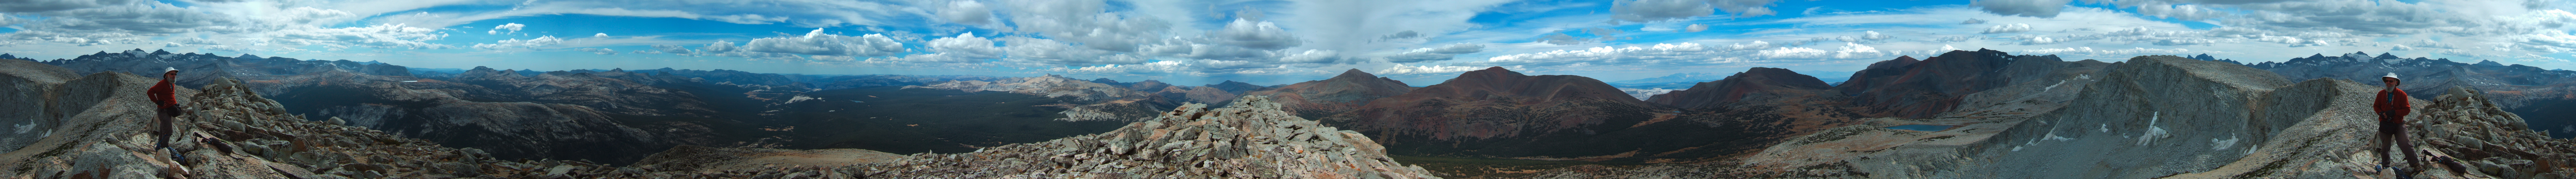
1355,73
1497,68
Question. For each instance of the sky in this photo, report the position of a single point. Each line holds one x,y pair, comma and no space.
1271,42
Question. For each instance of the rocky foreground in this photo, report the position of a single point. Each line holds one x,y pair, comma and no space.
233,132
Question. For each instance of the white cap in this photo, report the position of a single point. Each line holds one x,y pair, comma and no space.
2390,75
168,69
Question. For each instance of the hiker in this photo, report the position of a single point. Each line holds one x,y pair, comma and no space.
166,100
2392,108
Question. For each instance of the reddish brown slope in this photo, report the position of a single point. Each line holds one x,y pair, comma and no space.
1500,113
1316,99
1757,85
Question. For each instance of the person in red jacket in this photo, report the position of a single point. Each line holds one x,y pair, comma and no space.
166,100
2393,107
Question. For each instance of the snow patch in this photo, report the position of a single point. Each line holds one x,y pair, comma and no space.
2106,127
800,98
2153,132
2216,144
2054,86
22,129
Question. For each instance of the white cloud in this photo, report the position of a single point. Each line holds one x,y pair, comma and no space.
520,44
601,51
1313,56
2008,28
1254,35
1426,69
600,35
817,43
672,49
511,28
967,45
2089,51
1696,28
1794,53
1857,51
1049,51
966,12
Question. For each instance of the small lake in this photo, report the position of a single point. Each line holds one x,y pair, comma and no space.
1922,127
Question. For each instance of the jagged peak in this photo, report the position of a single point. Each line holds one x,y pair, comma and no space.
247,56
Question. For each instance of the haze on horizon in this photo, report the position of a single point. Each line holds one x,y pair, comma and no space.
1278,42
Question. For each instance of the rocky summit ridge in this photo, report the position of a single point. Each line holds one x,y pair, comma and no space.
233,132
1251,138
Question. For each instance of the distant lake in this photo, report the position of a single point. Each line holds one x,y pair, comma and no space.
1922,127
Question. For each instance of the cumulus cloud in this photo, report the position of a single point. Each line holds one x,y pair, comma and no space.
2029,8
1314,56
506,28
601,51
1857,51
600,35
818,43
2008,28
1087,23
1255,35
1658,54
515,43
966,12
1050,51
672,49
1794,53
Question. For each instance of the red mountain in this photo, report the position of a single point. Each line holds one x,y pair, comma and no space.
1761,85
1500,113
1316,99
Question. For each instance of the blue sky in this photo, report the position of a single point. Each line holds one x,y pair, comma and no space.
1277,42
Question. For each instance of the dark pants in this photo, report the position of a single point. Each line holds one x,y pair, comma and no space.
162,129
2391,132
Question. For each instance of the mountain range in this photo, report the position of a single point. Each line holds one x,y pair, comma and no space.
2017,116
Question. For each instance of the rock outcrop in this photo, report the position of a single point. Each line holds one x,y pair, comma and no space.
1251,138
1342,93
